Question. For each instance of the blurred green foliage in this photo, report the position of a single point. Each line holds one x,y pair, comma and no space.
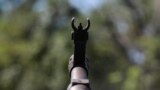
123,48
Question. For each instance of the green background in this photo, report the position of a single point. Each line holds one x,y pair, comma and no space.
123,47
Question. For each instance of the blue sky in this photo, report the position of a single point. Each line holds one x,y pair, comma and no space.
9,5
86,6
